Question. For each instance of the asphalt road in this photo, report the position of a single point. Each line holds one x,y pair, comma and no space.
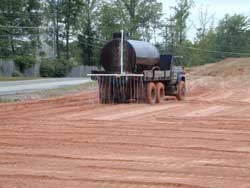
27,86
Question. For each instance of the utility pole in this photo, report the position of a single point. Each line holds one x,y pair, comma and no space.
122,39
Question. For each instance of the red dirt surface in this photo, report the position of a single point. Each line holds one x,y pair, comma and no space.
203,142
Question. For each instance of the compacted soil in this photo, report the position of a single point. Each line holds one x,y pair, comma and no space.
72,141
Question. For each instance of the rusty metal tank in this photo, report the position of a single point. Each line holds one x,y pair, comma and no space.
138,56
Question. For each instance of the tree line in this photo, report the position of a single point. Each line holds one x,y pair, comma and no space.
76,30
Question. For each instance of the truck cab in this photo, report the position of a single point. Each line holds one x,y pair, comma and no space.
170,74
175,85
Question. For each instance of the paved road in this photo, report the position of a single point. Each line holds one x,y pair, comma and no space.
26,86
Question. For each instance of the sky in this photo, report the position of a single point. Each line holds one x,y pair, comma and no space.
216,8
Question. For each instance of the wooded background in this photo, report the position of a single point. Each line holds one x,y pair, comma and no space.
68,33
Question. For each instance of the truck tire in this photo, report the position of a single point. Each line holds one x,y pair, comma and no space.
151,93
181,91
160,92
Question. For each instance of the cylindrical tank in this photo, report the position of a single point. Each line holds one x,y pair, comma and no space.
137,56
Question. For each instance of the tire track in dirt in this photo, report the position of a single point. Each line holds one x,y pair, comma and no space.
203,142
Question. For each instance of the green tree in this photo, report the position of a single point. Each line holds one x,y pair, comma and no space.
140,18
88,38
233,34
205,45
63,17
19,31
181,14
54,18
109,20
169,34
205,23
71,10
175,30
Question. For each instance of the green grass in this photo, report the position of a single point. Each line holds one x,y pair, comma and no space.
5,79
2,100
69,89
50,93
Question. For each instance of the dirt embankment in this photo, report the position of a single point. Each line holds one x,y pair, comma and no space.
203,142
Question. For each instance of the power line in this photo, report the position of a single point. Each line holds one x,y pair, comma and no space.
211,51
20,13
11,56
21,35
103,40
17,16
92,45
22,27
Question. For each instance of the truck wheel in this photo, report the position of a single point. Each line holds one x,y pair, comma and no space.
160,92
181,91
151,93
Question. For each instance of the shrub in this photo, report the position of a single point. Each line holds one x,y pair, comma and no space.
17,74
47,69
24,62
55,68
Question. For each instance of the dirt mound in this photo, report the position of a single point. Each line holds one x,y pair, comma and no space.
225,68
229,75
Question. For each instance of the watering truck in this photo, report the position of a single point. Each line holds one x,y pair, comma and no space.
134,71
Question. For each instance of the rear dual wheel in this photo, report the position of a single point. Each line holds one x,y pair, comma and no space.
151,93
155,92
181,91
160,92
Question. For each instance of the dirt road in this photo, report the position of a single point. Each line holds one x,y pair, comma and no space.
75,142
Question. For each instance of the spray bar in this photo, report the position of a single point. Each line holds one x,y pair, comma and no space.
116,75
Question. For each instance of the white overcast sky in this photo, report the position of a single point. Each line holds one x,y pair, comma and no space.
218,8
